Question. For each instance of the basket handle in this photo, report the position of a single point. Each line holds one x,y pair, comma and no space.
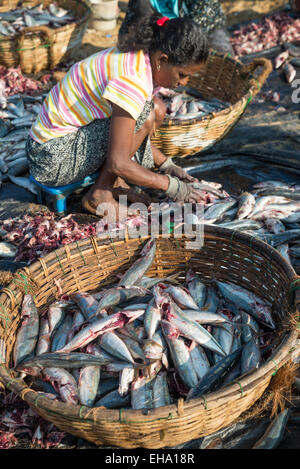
47,32
249,69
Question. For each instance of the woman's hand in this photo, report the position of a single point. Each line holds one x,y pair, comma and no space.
168,167
180,191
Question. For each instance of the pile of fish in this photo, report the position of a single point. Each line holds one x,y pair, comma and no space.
266,33
32,236
13,21
143,342
12,81
286,59
16,118
188,103
270,211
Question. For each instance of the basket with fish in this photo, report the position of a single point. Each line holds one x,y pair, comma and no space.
201,114
146,342
39,35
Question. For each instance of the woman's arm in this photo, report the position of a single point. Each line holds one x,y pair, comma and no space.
123,143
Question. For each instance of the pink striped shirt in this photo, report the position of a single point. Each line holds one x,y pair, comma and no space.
88,89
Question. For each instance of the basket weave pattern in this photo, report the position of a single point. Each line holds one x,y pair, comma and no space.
223,78
39,47
92,264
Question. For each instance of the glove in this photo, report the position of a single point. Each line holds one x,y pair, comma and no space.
181,191
168,167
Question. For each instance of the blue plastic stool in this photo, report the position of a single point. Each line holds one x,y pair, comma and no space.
59,194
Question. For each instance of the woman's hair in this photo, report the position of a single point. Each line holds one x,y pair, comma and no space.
181,39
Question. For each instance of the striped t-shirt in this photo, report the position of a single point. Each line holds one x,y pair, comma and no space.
86,91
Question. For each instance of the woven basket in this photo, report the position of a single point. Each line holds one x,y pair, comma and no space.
40,47
223,78
92,264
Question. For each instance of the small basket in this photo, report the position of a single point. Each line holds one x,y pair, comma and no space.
223,78
92,264
39,48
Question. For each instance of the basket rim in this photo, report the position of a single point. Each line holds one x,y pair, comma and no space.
172,121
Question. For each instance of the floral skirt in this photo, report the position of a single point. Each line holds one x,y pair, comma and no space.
68,159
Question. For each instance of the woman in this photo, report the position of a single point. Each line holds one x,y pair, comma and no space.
102,115
207,13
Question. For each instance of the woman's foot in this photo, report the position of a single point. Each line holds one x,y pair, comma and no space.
93,201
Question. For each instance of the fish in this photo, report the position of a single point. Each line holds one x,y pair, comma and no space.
60,336
247,301
63,360
115,346
180,355
100,326
194,331
87,303
127,376
217,210
182,297
246,205
274,433
7,250
28,333
214,375
43,344
117,295
196,288
224,336
23,182
199,359
250,357
56,314
289,72
274,225
141,266
292,50
64,382
152,317
281,58
88,384
161,394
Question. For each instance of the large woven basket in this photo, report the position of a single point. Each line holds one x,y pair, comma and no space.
40,47
92,264
223,78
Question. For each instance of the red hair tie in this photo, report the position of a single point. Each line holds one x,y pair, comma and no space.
161,21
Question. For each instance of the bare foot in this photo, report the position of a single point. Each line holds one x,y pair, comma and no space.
102,203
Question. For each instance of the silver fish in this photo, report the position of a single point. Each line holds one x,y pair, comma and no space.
88,384
115,346
28,333
43,344
113,400
23,182
140,266
152,317
196,288
64,382
246,205
180,355
94,329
